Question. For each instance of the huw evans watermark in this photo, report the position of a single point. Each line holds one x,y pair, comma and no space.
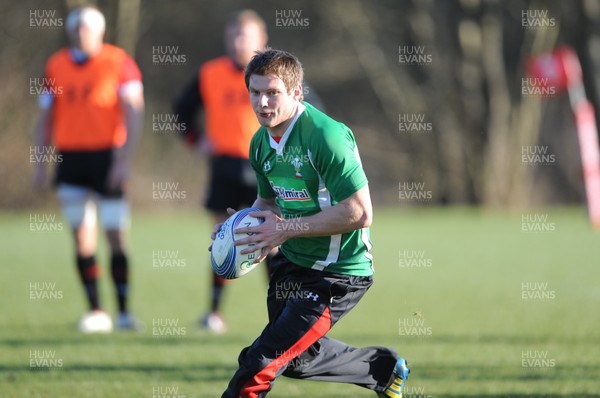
537,222
167,123
414,259
44,154
167,327
537,155
414,326
537,19
167,392
168,55
44,223
532,291
294,291
44,291
414,192
537,359
168,190
168,259
291,19
45,19
413,123
414,55
537,87
44,359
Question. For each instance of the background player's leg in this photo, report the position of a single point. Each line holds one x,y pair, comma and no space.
80,212
86,236
119,266
114,216
213,320
224,192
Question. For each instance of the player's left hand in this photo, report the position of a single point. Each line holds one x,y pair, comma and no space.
118,174
266,236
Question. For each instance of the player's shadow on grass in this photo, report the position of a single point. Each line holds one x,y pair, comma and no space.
191,340
502,373
569,395
159,373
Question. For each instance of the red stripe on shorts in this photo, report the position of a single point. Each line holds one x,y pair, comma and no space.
262,380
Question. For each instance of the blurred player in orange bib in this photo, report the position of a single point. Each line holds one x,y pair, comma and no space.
219,90
93,118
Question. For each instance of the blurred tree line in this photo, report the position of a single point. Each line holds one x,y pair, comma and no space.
463,91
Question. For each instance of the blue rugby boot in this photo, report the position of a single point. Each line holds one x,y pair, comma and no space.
401,372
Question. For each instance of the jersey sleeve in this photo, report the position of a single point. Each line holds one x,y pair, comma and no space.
130,78
337,161
265,190
129,71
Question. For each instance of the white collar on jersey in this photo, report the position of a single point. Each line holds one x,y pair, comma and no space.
279,146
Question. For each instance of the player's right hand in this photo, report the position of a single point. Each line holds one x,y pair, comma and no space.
213,235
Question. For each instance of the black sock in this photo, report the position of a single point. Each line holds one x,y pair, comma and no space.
88,274
217,292
119,271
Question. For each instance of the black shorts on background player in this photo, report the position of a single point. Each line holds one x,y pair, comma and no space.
88,169
232,184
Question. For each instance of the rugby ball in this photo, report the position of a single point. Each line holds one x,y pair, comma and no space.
225,257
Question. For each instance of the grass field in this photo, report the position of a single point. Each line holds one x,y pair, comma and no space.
492,311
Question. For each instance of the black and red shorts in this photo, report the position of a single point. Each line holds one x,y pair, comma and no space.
232,184
303,304
88,169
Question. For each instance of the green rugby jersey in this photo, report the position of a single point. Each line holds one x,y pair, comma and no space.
314,166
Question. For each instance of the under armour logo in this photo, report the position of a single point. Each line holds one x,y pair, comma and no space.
312,296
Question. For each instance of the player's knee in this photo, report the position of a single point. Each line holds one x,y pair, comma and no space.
116,242
77,207
114,214
85,246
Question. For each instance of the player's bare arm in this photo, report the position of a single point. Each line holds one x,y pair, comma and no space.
42,138
132,104
353,213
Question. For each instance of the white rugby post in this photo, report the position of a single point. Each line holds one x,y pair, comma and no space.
562,69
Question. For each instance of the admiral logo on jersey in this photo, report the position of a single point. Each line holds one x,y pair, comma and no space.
292,194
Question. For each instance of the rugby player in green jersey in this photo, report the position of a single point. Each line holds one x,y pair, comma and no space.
317,209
